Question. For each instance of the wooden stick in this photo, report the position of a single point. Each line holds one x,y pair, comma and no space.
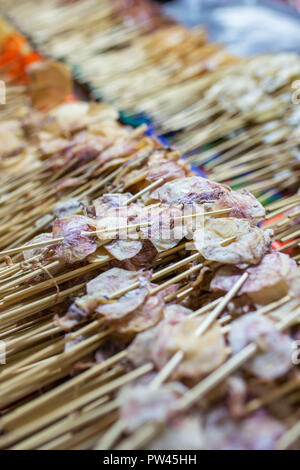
52,395
207,322
31,246
289,438
145,190
77,403
272,395
177,278
147,224
42,286
228,367
20,280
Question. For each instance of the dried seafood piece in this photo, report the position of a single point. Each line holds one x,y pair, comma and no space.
196,189
69,117
75,246
166,229
67,207
121,147
108,201
112,212
274,357
100,289
111,281
189,190
293,281
42,252
243,203
249,247
49,144
144,259
236,395
68,183
12,138
182,433
149,314
83,148
202,354
161,166
167,170
140,404
124,249
140,350
112,221
128,303
270,280
106,285
176,313
260,431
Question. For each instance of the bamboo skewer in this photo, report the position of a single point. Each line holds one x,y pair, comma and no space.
205,324
272,396
35,346
228,367
206,385
290,437
95,394
31,246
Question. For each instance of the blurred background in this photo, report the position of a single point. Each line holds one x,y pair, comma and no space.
246,26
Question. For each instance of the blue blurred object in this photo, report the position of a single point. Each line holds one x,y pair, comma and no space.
164,141
247,27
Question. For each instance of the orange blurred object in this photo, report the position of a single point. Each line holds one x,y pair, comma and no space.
16,55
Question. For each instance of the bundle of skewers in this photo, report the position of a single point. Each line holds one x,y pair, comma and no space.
283,219
94,26
126,52
141,305
232,117
249,119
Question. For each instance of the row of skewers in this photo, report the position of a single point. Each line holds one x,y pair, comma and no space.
141,340
127,52
237,119
143,301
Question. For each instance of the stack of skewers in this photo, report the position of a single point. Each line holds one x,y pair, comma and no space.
141,305
234,118
250,119
126,51
179,334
